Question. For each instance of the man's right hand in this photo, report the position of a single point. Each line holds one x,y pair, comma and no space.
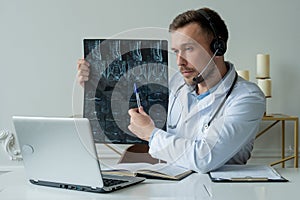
83,72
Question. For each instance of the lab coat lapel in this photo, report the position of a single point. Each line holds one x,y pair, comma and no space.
184,101
217,95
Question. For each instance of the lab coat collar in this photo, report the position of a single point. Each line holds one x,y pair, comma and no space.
224,85
217,92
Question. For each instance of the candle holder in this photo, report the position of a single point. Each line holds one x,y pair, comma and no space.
263,76
244,74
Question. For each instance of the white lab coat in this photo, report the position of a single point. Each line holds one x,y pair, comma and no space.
228,139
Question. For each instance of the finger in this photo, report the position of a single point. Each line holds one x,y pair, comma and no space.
83,64
83,67
133,131
141,111
83,73
130,127
82,76
82,79
130,120
132,111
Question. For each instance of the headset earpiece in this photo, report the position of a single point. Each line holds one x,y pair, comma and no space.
219,46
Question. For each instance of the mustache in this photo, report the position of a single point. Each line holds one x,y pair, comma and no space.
184,68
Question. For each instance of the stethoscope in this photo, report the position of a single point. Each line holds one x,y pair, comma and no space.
215,113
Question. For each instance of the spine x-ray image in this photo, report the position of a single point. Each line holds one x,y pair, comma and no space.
115,66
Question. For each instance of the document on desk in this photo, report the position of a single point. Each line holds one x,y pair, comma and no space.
246,173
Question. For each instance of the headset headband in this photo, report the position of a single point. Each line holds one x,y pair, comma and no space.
218,44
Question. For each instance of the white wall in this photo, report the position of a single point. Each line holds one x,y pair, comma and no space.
42,40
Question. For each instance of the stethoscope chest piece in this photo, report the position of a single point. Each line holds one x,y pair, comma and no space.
206,126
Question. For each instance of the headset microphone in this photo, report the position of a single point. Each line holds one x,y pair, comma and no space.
198,79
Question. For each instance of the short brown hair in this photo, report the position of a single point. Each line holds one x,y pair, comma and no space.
194,16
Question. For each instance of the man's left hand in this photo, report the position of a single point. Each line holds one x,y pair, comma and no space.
141,123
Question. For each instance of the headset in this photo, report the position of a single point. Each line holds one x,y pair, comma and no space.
218,45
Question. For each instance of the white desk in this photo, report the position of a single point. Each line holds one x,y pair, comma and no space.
13,186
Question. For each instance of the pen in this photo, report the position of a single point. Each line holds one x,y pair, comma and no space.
137,96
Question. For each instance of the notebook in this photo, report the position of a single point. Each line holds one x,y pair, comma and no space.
147,170
60,152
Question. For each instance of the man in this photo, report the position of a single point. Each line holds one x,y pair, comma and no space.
213,114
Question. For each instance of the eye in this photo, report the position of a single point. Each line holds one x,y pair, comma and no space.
189,48
175,51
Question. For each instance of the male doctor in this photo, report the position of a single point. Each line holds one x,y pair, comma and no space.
213,114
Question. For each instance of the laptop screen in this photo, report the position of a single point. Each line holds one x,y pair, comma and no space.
116,65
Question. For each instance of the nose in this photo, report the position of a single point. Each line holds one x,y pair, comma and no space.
180,60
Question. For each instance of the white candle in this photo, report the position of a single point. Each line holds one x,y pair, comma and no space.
244,74
263,65
266,86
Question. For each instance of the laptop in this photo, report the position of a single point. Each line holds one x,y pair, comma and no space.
60,152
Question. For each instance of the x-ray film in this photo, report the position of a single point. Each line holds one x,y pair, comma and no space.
115,66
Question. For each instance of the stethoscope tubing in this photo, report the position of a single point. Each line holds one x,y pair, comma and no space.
215,113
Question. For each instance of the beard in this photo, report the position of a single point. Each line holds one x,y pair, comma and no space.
188,79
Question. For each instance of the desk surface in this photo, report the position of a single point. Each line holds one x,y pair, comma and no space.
13,186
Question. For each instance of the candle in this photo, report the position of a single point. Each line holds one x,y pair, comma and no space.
263,65
265,86
244,74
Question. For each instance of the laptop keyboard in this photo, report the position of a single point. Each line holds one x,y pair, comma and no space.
111,182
